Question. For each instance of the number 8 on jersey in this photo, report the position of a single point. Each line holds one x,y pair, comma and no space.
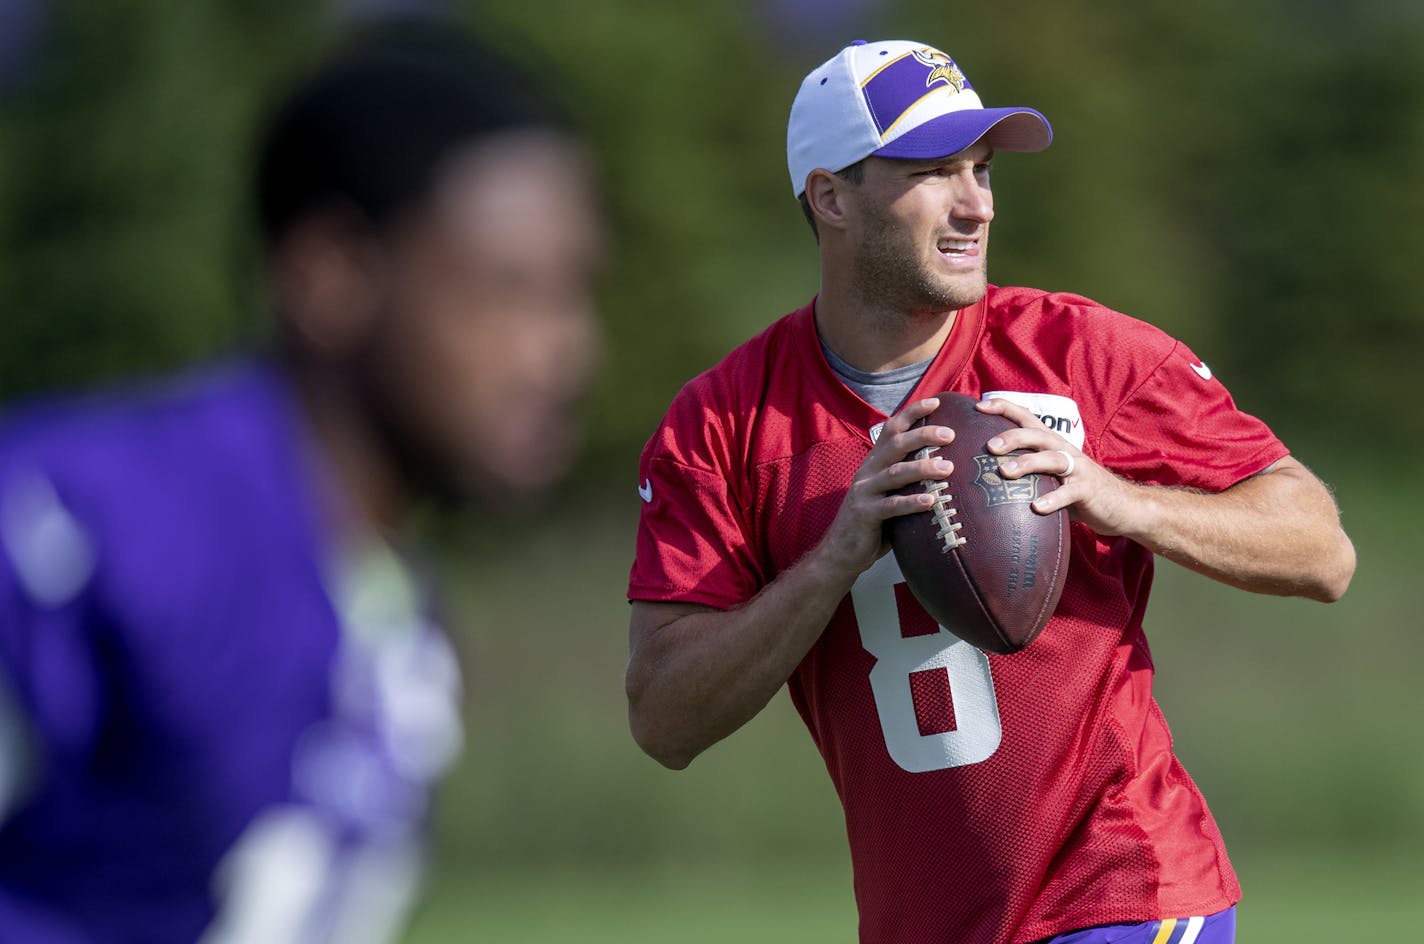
934,692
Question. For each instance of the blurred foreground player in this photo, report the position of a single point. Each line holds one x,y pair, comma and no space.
989,799
225,698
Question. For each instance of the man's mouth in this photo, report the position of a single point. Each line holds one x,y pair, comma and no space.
959,248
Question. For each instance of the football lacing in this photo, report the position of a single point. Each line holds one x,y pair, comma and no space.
942,510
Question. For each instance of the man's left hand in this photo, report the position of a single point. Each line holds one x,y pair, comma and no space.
1105,502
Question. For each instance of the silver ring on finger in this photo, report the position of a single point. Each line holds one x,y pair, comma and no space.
1071,464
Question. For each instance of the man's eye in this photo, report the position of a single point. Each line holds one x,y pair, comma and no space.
981,168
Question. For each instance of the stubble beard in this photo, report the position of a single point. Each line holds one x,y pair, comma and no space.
892,275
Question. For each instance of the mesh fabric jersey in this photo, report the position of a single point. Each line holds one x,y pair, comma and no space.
987,798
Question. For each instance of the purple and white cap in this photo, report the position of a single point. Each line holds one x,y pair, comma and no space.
896,99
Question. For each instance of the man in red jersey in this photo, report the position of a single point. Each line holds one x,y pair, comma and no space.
988,798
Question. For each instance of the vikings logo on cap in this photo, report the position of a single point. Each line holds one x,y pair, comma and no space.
942,69
895,88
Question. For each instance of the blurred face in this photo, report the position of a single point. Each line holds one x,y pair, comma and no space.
487,338
920,231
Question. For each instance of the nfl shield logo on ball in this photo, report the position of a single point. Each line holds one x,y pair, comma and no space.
1002,491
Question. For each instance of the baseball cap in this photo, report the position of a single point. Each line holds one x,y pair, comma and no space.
899,99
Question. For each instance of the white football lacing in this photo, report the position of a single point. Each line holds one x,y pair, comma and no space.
942,510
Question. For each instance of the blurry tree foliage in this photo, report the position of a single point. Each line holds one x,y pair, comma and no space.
1245,175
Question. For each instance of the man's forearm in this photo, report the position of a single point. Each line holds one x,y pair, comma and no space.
696,679
1278,532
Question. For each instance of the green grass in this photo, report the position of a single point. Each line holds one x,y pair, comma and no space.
1328,896
689,906
1305,897
1299,721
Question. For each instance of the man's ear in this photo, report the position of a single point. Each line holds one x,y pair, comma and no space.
827,197
326,274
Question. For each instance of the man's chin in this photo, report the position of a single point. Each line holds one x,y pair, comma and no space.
964,289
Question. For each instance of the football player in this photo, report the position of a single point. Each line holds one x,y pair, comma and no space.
225,695
989,799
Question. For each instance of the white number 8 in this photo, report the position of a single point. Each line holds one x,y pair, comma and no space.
976,732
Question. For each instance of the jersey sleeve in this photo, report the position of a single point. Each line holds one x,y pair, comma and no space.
50,689
1180,426
693,543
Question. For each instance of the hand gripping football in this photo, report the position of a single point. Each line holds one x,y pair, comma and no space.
981,561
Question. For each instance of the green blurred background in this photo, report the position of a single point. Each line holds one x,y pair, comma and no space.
1244,175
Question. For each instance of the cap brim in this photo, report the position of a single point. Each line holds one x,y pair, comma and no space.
1005,129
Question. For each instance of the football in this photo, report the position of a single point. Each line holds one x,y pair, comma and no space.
981,561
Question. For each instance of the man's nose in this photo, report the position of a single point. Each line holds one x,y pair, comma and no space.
973,201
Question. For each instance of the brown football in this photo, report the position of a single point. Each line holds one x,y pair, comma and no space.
981,561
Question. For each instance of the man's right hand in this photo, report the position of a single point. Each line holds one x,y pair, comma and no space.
856,538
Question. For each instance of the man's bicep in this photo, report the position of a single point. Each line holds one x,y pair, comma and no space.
1284,483
650,616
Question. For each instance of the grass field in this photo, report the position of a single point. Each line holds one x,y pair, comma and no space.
1291,898
1300,722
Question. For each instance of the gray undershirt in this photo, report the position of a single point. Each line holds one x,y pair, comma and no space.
886,390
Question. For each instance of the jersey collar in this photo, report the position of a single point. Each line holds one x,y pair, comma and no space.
945,372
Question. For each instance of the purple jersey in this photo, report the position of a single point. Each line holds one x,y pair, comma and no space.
231,729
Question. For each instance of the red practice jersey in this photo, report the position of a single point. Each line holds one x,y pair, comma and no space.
988,798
